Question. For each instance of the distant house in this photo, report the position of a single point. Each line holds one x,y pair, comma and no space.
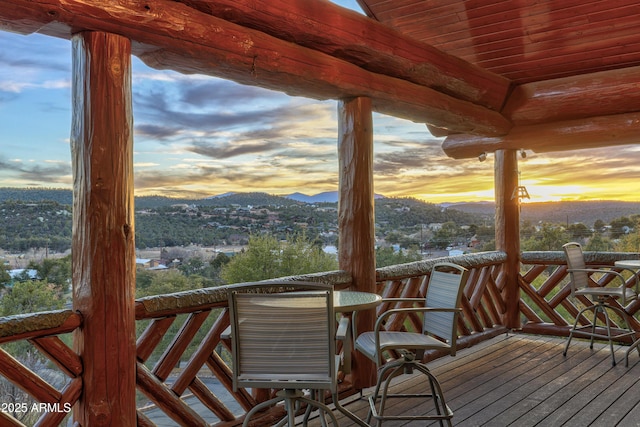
155,263
143,263
327,209
21,274
150,264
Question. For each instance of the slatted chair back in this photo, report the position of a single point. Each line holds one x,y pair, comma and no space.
575,262
445,289
283,340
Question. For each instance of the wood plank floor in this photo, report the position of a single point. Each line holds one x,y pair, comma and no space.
522,380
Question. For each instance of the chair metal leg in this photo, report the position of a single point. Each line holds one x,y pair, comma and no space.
383,379
348,413
442,409
290,399
290,405
636,345
443,412
596,309
259,407
608,323
575,327
324,409
602,308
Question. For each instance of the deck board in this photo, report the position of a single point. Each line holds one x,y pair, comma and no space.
523,380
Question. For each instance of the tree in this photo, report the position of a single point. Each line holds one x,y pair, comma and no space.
579,231
56,271
30,296
166,282
630,242
445,236
194,265
5,277
621,226
220,260
549,238
598,243
267,258
388,256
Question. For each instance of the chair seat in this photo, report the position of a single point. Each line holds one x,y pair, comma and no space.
629,294
396,340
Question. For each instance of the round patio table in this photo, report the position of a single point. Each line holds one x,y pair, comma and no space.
349,301
632,264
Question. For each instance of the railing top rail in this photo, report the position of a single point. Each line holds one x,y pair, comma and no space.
204,299
590,257
418,268
31,325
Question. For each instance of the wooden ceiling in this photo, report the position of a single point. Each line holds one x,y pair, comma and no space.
522,40
573,65
489,75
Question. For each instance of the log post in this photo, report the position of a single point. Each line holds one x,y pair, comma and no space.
103,247
508,230
356,217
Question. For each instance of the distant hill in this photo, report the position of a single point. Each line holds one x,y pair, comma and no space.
326,197
64,197
553,212
561,212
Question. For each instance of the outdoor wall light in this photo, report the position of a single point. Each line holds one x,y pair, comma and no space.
523,154
482,157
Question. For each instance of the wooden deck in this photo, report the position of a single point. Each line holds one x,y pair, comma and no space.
522,380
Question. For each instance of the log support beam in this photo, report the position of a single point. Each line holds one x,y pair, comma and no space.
585,96
594,132
171,35
356,218
336,31
508,231
103,246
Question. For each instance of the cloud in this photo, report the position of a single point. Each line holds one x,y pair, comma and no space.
51,172
156,131
217,151
34,62
197,135
221,93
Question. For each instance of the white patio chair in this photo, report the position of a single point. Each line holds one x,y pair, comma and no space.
584,285
439,310
287,341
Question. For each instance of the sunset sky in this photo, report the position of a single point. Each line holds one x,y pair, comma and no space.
197,136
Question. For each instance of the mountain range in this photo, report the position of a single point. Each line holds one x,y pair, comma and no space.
324,197
569,212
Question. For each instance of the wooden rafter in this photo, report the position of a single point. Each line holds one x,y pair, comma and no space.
618,129
171,35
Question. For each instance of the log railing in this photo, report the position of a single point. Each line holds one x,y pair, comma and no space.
38,342
183,364
544,292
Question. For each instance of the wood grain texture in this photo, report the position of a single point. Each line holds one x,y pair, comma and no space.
592,132
507,226
103,247
328,28
611,92
171,35
356,218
